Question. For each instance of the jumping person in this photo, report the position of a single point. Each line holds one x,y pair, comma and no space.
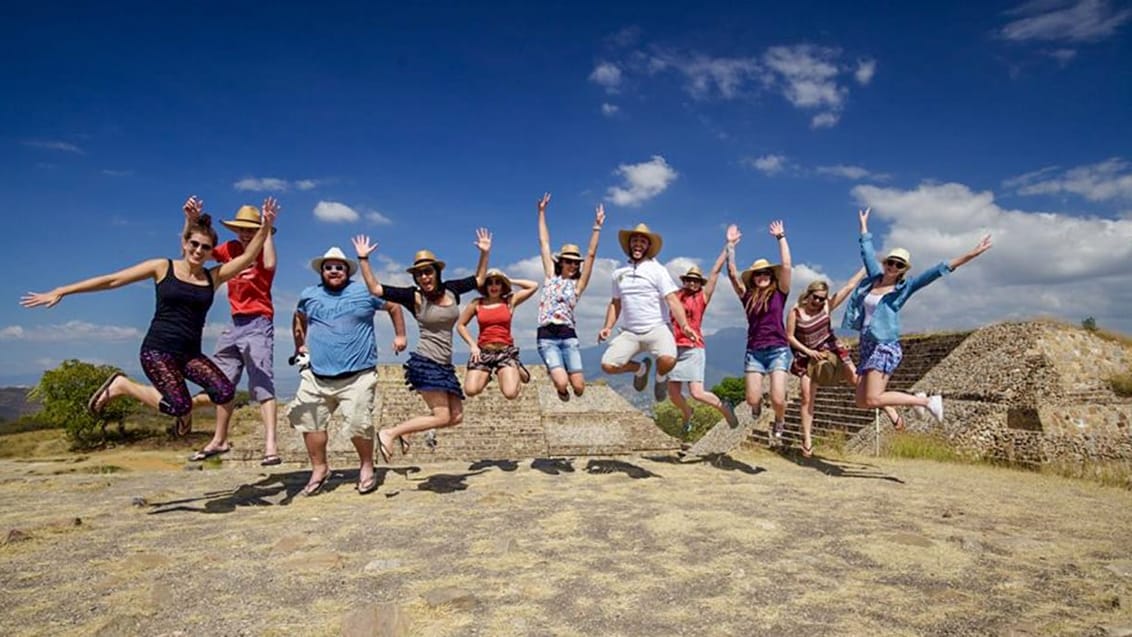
171,350
763,288
435,304
810,332
874,311
333,325
567,276
250,342
494,351
691,356
639,289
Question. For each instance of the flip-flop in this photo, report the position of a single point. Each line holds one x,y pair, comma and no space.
807,451
271,460
386,453
369,486
183,425
205,454
899,425
92,405
404,445
314,488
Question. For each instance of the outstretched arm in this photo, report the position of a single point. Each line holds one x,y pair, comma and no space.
733,236
152,269
240,263
846,290
483,243
363,248
591,251
397,316
544,237
983,246
778,231
526,289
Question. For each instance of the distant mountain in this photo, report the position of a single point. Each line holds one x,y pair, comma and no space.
14,403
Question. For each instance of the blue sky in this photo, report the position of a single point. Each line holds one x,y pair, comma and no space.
418,124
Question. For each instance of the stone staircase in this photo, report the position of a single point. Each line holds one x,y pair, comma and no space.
835,411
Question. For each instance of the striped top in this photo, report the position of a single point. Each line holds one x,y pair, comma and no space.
815,332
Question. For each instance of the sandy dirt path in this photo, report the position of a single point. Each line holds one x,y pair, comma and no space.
754,544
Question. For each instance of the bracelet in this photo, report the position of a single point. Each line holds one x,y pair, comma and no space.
365,258
596,228
781,235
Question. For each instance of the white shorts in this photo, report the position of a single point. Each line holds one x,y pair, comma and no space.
690,364
658,341
317,398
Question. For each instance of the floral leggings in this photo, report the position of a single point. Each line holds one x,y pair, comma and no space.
168,372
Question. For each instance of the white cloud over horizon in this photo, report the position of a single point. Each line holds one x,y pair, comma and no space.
1064,20
1108,180
68,332
273,184
767,164
642,181
54,144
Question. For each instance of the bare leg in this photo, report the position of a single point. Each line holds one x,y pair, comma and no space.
676,395
145,394
706,397
508,378
809,396
268,410
631,366
664,364
754,382
440,415
872,394
558,379
778,394
364,447
475,380
578,382
315,442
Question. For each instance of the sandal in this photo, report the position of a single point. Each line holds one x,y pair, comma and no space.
404,445
383,449
101,395
206,453
368,486
899,424
314,488
807,451
270,460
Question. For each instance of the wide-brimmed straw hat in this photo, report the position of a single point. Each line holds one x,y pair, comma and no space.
655,241
496,274
694,274
569,251
425,258
901,254
247,218
335,254
761,264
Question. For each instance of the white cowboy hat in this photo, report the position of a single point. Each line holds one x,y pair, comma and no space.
335,254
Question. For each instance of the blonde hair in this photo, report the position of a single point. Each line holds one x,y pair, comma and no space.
759,300
814,286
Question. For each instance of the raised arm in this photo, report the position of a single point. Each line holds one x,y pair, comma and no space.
466,316
591,251
527,288
732,237
397,316
483,243
983,246
363,248
544,237
192,209
269,257
868,252
732,269
846,290
239,264
778,231
152,269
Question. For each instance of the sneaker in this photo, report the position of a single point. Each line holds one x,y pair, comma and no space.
430,439
687,426
756,410
641,378
564,396
935,406
660,389
729,414
920,410
779,428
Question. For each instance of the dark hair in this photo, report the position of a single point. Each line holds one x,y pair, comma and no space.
439,282
558,268
203,225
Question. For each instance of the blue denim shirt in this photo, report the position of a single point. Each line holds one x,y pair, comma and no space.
885,326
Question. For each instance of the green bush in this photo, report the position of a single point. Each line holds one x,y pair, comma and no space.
731,389
27,422
64,392
1121,384
1090,324
669,419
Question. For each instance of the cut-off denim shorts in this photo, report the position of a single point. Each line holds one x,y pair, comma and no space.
768,359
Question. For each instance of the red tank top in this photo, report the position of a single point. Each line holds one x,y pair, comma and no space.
495,324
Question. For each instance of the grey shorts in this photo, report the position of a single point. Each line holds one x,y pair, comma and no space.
658,341
249,343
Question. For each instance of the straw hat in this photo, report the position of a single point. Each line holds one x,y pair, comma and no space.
762,264
569,251
694,274
335,254
247,218
424,258
901,254
655,242
496,274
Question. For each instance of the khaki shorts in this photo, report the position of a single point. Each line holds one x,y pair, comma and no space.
658,341
317,398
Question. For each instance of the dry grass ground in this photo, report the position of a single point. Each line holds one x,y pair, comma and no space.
755,544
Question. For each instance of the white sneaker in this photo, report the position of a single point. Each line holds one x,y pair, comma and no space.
920,410
935,406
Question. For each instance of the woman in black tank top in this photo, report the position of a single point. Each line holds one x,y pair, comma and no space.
171,351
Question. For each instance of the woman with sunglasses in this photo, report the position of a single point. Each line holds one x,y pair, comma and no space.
567,276
435,304
763,288
874,311
494,351
171,350
810,332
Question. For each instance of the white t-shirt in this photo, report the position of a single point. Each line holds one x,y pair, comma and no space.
642,288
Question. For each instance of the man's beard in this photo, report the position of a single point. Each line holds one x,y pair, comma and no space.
334,286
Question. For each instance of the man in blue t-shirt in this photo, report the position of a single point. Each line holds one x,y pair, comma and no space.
333,326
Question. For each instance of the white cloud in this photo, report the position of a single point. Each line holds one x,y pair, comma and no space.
856,173
117,173
824,120
378,219
273,184
334,212
866,69
1105,181
609,110
608,76
643,181
1064,20
69,331
806,75
1042,262
767,164
707,76
51,144
1063,56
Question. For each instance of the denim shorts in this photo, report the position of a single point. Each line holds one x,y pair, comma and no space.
690,364
561,352
768,359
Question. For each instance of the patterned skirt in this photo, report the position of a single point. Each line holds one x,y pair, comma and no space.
423,374
493,358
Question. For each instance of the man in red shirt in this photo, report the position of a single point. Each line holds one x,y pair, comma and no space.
250,342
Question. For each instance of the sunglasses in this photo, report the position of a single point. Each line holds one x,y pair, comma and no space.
334,267
494,282
895,263
762,273
197,245
819,299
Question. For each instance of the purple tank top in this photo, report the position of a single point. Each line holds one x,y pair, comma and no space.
765,327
